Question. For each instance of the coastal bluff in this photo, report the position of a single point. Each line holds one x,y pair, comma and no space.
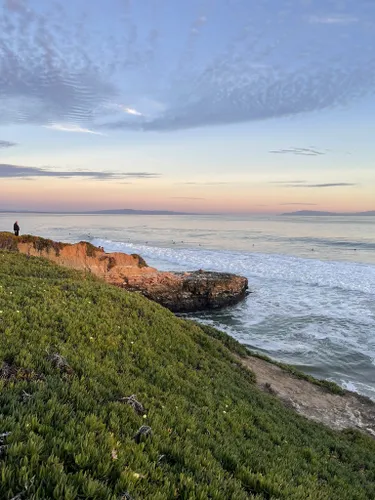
177,291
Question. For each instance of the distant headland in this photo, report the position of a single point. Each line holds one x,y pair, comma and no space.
119,211
319,213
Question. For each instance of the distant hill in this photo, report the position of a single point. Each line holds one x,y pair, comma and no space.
319,213
120,211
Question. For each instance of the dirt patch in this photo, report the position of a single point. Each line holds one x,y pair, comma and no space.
336,411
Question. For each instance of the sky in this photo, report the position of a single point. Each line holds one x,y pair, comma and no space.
205,106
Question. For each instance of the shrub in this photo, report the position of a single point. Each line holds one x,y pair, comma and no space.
141,260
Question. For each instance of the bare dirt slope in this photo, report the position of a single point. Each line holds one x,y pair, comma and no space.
316,403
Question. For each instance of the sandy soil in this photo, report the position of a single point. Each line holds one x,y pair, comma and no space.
336,411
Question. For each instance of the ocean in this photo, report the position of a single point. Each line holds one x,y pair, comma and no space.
312,279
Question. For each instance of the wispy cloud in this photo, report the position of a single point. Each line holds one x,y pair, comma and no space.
299,151
8,171
186,198
213,183
7,144
299,204
288,182
131,111
333,19
72,128
304,184
331,184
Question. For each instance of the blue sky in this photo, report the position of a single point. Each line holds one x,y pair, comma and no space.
203,106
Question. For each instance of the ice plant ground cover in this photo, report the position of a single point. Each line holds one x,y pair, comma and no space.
106,395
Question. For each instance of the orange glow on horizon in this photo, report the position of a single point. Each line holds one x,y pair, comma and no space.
156,194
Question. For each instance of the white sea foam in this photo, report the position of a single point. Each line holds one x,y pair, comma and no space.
303,311
345,275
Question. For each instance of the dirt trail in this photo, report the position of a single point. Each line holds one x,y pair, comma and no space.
336,411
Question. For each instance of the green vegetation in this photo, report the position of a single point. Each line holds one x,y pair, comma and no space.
8,241
237,348
74,351
232,344
141,260
90,249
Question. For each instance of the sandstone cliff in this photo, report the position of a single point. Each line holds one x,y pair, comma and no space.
179,292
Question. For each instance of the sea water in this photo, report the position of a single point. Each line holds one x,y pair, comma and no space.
312,279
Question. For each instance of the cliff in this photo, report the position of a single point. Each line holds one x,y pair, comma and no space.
179,292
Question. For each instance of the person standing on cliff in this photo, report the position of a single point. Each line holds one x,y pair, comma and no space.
16,228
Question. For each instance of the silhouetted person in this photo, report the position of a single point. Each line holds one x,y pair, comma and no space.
16,228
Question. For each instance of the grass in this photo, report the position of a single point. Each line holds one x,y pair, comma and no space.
237,348
73,349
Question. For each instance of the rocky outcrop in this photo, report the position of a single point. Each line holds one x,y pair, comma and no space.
190,291
179,292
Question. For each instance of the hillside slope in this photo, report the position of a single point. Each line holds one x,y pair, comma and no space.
72,348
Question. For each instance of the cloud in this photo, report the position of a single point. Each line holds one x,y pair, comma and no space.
288,182
72,128
299,204
49,70
7,144
299,151
59,66
218,183
303,184
8,171
131,111
329,185
334,19
186,198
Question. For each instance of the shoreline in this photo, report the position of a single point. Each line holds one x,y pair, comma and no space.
34,245
316,399
339,411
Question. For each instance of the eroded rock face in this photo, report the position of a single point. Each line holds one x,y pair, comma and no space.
190,291
179,292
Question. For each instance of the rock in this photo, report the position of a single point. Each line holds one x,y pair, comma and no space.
125,496
179,292
143,433
136,405
60,363
193,291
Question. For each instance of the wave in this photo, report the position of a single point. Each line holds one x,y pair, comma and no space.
330,242
344,275
303,311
